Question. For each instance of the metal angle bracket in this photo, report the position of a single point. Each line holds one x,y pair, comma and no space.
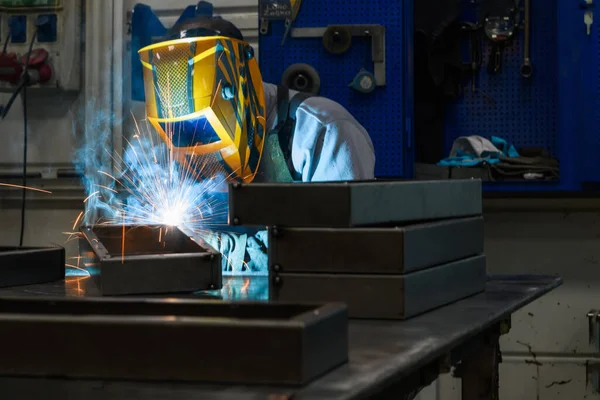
337,38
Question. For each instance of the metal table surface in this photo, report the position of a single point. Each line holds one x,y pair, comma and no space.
382,353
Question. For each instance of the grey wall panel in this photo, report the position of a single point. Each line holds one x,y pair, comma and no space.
243,13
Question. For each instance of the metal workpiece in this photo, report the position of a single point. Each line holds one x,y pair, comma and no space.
31,265
146,259
385,296
338,38
394,250
351,204
172,339
383,356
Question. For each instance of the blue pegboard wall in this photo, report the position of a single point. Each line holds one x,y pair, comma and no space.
588,150
522,111
381,112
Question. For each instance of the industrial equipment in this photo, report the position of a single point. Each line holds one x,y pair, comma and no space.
30,265
278,10
350,204
393,296
380,272
301,77
526,68
500,26
338,38
374,250
172,339
389,250
143,259
36,67
55,27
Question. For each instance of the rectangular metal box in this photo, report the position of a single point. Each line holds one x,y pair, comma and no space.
172,339
374,250
386,296
351,204
145,259
31,265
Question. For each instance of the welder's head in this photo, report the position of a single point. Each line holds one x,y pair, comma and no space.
205,97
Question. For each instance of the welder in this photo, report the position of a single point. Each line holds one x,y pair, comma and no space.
206,98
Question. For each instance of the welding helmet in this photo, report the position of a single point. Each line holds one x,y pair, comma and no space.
205,98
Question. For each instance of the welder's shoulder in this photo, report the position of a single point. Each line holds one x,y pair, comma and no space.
326,112
327,115
330,144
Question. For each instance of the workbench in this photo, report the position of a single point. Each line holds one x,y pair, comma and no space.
388,359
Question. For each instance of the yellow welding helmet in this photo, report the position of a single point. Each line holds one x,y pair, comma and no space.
205,97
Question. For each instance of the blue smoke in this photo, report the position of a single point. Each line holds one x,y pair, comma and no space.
90,159
145,185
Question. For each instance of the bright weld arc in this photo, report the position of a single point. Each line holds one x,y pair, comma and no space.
150,188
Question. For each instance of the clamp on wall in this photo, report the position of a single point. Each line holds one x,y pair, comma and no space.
338,38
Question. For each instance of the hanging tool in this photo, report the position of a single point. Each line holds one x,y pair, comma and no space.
473,32
301,77
363,82
588,15
337,39
500,30
526,68
588,20
274,10
289,21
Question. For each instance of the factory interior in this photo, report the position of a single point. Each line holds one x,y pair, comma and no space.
299,199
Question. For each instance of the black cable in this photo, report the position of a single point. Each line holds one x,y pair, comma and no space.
24,192
5,109
24,97
5,44
25,75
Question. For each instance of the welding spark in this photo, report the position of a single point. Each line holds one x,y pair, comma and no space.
90,196
151,184
25,187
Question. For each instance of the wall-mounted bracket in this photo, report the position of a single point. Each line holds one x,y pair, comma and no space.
337,39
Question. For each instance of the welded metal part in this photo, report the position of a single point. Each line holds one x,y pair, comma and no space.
385,358
374,250
172,339
144,259
349,204
31,265
386,296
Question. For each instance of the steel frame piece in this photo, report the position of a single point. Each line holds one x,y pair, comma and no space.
352,204
145,259
172,339
31,265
